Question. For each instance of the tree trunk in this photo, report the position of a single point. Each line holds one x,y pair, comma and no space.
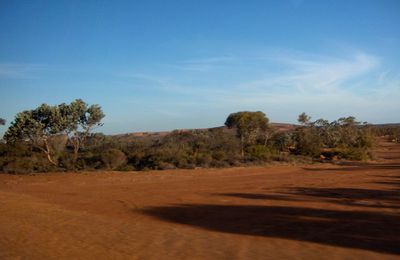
242,146
76,145
51,159
48,153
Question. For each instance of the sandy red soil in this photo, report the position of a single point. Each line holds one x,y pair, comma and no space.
320,211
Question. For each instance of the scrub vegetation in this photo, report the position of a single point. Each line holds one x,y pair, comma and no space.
61,138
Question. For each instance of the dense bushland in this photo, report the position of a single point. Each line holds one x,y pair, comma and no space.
390,131
59,138
344,138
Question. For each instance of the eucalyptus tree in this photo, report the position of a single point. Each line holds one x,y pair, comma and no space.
36,127
78,120
304,119
347,130
307,137
40,126
249,126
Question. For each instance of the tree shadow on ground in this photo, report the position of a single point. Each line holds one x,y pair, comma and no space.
389,182
353,197
348,193
354,166
388,176
351,229
256,196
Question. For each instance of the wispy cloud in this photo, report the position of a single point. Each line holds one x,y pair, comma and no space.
328,86
287,82
204,64
142,76
211,60
21,70
321,74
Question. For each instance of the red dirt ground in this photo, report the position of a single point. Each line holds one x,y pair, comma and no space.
314,212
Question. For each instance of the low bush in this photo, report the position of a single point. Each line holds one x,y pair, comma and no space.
113,158
353,153
26,165
258,153
219,147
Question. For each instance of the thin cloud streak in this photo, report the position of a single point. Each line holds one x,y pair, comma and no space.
356,84
28,70
315,75
11,70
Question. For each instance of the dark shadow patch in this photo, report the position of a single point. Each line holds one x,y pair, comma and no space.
387,176
356,166
256,196
352,196
350,229
388,182
349,193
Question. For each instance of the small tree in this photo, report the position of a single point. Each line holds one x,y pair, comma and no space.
249,126
78,120
36,127
281,141
2,121
39,126
307,137
304,119
347,129
307,141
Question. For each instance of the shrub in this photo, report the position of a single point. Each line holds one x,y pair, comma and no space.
67,161
89,161
308,141
281,141
353,153
219,164
203,159
26,165
258,152
113,158
19,166
218,155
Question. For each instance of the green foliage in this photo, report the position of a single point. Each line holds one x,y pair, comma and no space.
59,132
353,153
19,149
21,159
258,153
308,141
390,131
26,165
40,127
185,149
113,159
345,135
281,141
78,119
35,126
32,125
303,119
249,126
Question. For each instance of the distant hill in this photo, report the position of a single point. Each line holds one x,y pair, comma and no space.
387,125
282,127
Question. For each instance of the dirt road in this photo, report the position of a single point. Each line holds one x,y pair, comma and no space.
315,212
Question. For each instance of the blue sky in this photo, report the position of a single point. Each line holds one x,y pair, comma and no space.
162,65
